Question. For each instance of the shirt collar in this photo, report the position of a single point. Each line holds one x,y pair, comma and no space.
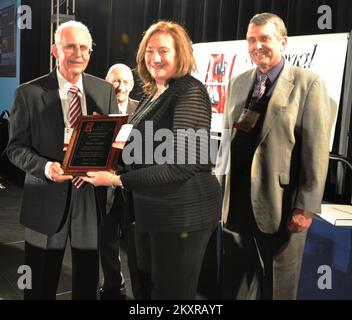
274,72
65,85
123,105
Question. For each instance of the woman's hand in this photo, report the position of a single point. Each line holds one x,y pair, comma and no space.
102,178
99,178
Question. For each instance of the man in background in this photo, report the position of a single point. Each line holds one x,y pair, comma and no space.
116,221
121,78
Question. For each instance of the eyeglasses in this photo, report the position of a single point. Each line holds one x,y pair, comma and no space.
70,48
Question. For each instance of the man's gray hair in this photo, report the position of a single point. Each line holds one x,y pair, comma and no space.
117,68
261,19
72,24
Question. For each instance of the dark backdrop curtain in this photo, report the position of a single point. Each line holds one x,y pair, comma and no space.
117,25
35,42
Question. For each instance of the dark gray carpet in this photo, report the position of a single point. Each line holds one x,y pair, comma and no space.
11,250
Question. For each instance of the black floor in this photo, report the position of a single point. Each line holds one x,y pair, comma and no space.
327,247
11,251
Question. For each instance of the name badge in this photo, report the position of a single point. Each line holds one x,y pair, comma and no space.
122,136
67,137
247,120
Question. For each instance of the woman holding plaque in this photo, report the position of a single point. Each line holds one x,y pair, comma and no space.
177,200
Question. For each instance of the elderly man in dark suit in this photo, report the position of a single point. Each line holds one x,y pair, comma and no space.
115,221
274,154
54,207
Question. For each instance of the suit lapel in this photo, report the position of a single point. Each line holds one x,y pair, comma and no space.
90,102
278,100
129,109
53,107
240,98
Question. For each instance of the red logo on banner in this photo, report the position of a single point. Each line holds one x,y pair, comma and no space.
218,75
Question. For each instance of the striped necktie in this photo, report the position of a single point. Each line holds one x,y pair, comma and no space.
74,113
75,110
260,88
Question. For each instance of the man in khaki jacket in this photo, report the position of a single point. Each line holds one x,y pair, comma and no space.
272,163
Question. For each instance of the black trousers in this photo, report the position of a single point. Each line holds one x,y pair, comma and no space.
110,246
46,264
169,263
117,230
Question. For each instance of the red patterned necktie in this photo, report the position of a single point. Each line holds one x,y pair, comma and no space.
74,113
75,107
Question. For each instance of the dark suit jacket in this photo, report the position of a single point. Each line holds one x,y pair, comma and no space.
36,136
131,107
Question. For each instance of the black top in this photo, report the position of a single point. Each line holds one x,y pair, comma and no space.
181,194
243,147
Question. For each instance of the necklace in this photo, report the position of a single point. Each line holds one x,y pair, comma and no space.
159,92
143,110
149,103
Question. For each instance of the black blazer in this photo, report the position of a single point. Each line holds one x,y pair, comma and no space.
174,197
36,136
